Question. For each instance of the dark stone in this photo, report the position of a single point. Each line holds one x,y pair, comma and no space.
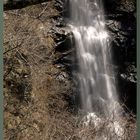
121,23
17,4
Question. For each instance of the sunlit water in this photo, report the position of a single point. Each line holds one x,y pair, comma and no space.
95,73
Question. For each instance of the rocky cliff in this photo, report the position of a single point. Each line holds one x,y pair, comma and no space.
39,89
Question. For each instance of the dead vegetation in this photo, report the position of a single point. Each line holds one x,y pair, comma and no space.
30,77
66,126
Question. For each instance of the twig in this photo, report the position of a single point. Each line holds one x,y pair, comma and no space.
42,12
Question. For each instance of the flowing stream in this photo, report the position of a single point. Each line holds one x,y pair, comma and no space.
95,75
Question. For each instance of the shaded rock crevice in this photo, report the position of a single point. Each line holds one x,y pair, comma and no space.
121,24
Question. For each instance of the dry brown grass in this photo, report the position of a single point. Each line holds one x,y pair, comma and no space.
28,59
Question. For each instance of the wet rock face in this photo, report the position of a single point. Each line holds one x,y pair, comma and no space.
121,24
120,18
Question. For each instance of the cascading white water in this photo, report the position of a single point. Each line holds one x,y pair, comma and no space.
95,75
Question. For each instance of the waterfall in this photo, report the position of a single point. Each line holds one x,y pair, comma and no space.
98,92
95,75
